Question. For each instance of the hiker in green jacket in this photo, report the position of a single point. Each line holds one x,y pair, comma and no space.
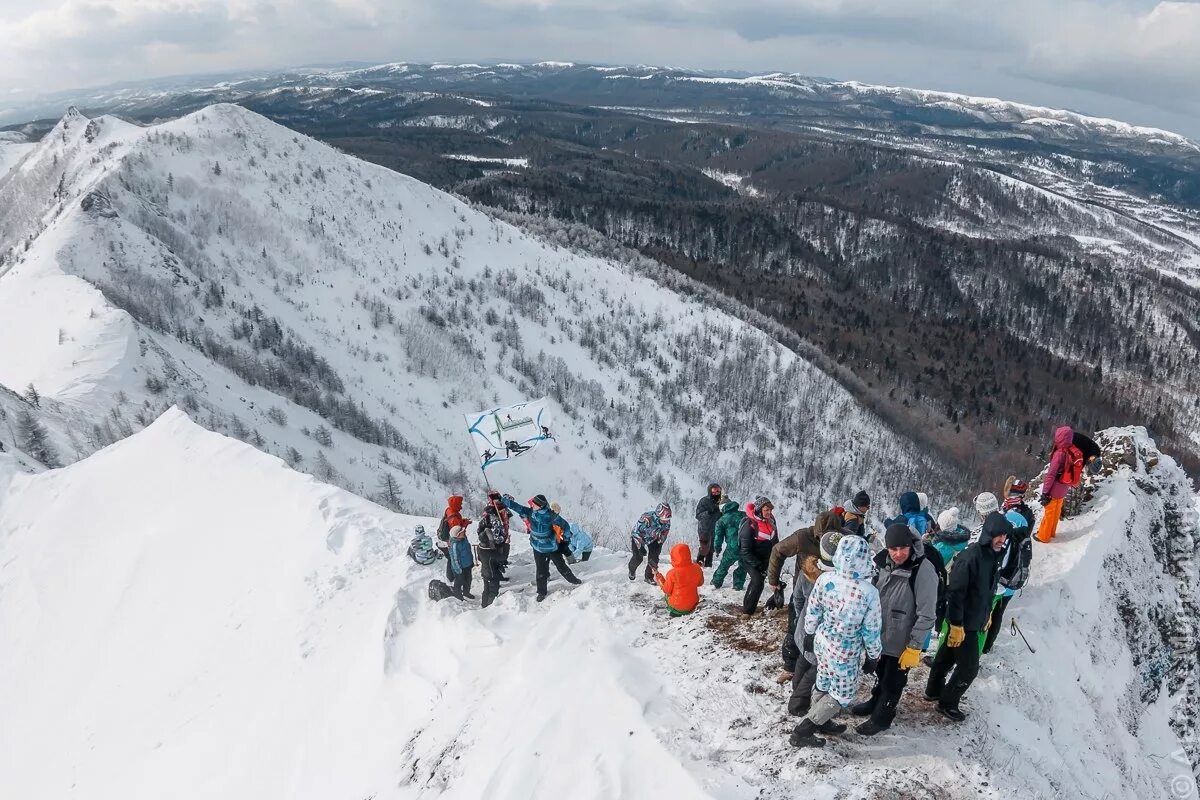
725,538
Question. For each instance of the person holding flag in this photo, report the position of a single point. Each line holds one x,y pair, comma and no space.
541,521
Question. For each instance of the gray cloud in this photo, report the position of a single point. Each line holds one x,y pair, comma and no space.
1135,59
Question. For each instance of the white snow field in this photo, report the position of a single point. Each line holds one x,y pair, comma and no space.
184,616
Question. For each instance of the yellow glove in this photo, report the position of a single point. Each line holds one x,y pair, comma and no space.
910,658
956,637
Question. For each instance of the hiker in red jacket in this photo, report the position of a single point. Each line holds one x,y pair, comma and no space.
1065,470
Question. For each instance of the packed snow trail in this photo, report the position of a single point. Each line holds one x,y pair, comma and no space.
183,616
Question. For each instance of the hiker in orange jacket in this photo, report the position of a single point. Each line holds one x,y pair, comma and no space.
682,584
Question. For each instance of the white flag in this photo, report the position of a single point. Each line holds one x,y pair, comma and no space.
509,431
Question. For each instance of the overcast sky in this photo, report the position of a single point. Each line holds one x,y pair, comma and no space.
1136,60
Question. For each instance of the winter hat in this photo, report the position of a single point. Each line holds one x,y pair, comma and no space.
924,498
540,501
986,503
829,546
762,502
862,500
555,507
898,535
1018,486
948,519
458,532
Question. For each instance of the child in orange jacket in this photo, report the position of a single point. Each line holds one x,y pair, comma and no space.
682,584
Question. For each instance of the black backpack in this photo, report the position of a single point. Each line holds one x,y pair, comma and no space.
439,590
939,566
1016,571
443,531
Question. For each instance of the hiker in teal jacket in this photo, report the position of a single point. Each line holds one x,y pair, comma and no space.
725,538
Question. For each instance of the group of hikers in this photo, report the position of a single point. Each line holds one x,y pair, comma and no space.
854,611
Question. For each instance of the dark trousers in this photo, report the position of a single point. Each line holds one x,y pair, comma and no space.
462,583
890,681
585,555
489,570
503,563
964,660
705,558
997,620
791,653
804,677
754,587
640,551
541,562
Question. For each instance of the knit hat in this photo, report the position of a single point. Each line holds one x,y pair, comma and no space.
540,501
862,500
948,519
986,503
457,532
762,502
898,535
829,546
1018,486
555,507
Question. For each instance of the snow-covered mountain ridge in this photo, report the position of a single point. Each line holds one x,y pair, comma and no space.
183,616
345,317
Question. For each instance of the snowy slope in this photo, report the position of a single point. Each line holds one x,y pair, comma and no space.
185,617
227,264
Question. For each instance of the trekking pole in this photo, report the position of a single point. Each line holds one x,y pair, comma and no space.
1015,629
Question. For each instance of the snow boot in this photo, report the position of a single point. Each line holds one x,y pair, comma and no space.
870,728
863,709
541,596
468,595
831,728
805,735
574,581
650,580
952,713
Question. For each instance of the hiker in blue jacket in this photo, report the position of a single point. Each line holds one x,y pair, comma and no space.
462,562
542,539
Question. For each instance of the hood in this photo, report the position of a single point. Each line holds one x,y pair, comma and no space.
751,510
994,524
455,503
1063,437
681,555
729,507
853,558
910,503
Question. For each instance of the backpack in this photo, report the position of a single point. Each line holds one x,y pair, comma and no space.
1072,471
439,590
443,531
1018,569
939,567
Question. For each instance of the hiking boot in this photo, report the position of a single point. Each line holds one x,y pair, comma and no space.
468,595
574,581
650,580
805,735
870,728
931,698
831,728
716,585
541,596
863,709
951,712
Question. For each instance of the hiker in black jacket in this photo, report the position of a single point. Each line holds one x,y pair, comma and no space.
493,546
708,511
973,580
757,535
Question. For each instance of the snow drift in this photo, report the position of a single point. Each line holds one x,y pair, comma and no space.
184,616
